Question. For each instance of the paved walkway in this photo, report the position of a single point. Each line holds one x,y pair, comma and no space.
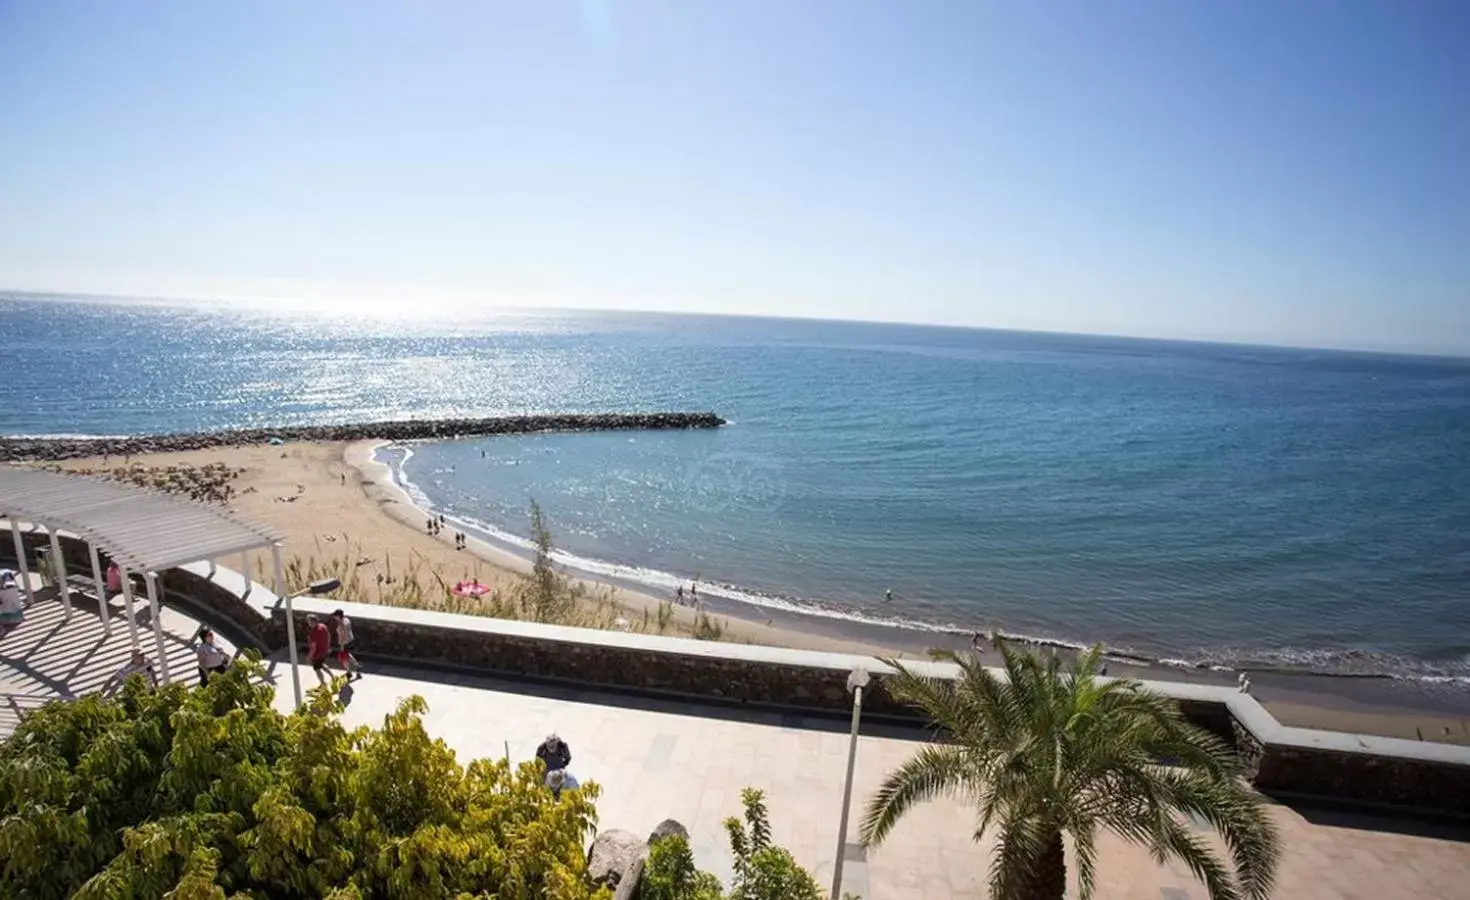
661,759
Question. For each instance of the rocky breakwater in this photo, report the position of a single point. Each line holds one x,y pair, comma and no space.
14,449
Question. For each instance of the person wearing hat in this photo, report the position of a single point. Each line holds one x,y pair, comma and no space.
12,609
555,753
212,658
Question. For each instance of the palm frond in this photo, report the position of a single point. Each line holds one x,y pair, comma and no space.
932,772
1175,841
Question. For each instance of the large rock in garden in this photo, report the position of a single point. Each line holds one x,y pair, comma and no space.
611,854
667,828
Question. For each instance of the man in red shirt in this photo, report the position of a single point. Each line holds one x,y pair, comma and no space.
318,647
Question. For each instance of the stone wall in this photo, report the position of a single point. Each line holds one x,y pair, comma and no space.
28,449
705,676
1367,778
1281,762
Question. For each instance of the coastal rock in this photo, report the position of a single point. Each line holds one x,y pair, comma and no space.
632,880
50,449
667,828
611,855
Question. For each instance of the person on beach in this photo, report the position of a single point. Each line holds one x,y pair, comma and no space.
12,610
345,642
114,578
555,753
137,665
888,595
210,656
318,647
679,595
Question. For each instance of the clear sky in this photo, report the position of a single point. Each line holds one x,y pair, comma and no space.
1285,171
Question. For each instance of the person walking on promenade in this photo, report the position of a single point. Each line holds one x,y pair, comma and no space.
137,665
346,640
211,657
114,578
560,780
555,753
318,647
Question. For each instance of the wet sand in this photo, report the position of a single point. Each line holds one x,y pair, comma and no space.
331,500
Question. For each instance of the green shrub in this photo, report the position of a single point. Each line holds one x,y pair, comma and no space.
211,793
670,874
763,871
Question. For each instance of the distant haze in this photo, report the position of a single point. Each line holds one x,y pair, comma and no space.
1286,173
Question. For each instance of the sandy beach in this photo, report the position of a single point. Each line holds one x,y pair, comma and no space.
336,506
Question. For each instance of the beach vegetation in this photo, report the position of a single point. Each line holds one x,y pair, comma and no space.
212,793
708,628
545,594
1045,752
548,595
208,483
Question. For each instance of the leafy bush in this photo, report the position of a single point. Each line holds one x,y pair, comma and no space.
670,874
763,871
209,793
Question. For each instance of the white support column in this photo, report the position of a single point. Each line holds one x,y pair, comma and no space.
127,588
290,620
20,560
101,585
58,571
245,570
151,579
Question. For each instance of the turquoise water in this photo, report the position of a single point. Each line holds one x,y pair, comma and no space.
1218,504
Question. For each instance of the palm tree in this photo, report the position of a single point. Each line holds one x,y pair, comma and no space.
1044,752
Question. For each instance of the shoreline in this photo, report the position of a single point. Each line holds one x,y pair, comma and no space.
1447,695
351,500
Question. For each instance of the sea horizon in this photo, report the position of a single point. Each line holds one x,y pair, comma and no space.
278,306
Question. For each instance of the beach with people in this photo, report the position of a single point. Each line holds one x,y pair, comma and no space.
343,502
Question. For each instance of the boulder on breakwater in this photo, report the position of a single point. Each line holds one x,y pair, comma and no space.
13,449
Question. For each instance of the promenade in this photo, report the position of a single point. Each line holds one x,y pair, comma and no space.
658,759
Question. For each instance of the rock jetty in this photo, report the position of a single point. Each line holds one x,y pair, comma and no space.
46,449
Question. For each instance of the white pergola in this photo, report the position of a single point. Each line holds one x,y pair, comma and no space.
142,531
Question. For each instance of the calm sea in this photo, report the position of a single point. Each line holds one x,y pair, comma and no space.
1219,504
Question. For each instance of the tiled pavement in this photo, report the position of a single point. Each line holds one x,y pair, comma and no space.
659,759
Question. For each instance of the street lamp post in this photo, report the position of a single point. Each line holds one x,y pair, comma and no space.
856,681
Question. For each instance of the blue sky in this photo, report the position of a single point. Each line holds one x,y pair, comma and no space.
1287,172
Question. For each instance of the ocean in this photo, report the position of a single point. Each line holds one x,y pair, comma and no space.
1203,504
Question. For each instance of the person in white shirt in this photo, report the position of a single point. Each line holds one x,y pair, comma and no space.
12,610
560,780
211,657
345,641
138,665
